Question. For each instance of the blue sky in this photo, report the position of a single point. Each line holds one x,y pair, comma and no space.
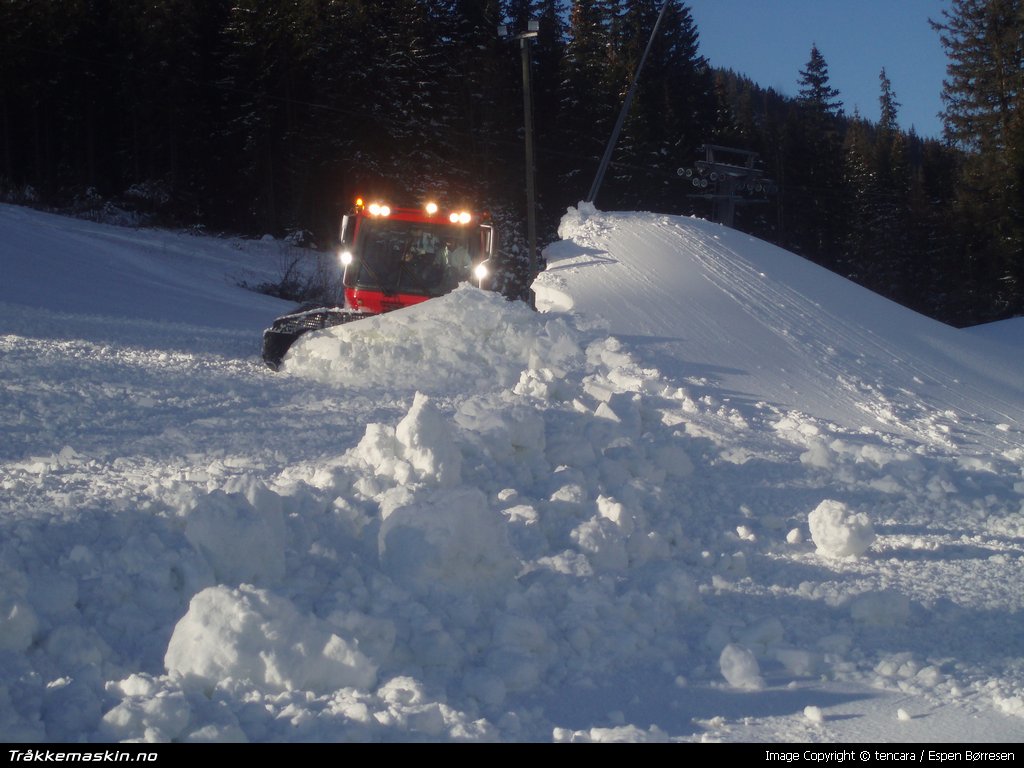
770,41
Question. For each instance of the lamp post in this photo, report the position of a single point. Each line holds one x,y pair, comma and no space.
525,38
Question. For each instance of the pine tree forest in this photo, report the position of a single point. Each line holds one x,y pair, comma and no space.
270,116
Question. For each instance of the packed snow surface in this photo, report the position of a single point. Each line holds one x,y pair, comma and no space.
709,492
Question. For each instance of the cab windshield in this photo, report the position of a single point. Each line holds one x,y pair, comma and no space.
414,257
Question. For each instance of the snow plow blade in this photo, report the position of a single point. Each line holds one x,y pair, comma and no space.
279,337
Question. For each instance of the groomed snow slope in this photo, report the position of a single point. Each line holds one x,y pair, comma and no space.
711,493
764,326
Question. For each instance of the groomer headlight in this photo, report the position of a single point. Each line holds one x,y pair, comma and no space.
480,272
345,257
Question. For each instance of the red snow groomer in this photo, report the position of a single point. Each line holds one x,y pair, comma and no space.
393,258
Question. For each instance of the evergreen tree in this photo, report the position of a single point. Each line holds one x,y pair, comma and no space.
413,130
888,105
982,96
589,95
982,39
260,75
894,273
167,140
674,107
27,77
814,162
472,93
936,237
862,184
817,95
876,252
328,166
60,64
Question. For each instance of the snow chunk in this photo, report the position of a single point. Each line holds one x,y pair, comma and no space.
511,434
1011,705
421,448
740,668
426,443
409,705
574,219
251,635
604,543
18,623
158,720
814,714
378,448
447,539
839,532
542,384
613,510
243,542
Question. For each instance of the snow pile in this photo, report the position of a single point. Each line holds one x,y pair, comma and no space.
477,342
438,548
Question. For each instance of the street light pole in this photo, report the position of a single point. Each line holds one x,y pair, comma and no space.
525,38
531,223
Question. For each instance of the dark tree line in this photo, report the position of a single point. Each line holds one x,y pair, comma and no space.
254,117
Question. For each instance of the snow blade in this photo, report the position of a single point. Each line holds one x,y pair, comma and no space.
279,337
